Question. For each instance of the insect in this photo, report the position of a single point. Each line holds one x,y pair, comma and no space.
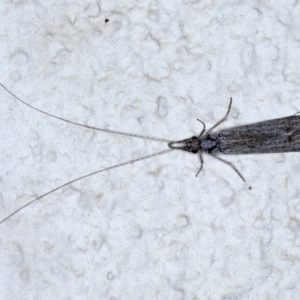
273,136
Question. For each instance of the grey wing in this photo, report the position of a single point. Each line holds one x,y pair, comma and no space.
273,136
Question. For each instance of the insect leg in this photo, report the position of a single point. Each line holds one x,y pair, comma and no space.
223,119
203,130
201,162
230,164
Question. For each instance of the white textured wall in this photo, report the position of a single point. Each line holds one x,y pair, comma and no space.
149,230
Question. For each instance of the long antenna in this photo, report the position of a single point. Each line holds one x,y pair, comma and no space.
86,126
85,176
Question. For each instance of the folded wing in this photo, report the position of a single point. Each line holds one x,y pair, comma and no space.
273,136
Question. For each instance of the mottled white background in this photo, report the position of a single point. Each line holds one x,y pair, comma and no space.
149,230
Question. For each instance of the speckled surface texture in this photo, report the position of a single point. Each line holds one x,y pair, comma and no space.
150,230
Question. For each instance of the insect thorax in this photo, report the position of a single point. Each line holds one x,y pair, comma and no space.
207,143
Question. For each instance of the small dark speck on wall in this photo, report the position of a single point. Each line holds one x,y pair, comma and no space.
106,20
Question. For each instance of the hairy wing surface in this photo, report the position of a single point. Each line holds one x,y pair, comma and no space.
273,136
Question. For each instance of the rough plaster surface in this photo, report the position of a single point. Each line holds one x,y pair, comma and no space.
149,230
